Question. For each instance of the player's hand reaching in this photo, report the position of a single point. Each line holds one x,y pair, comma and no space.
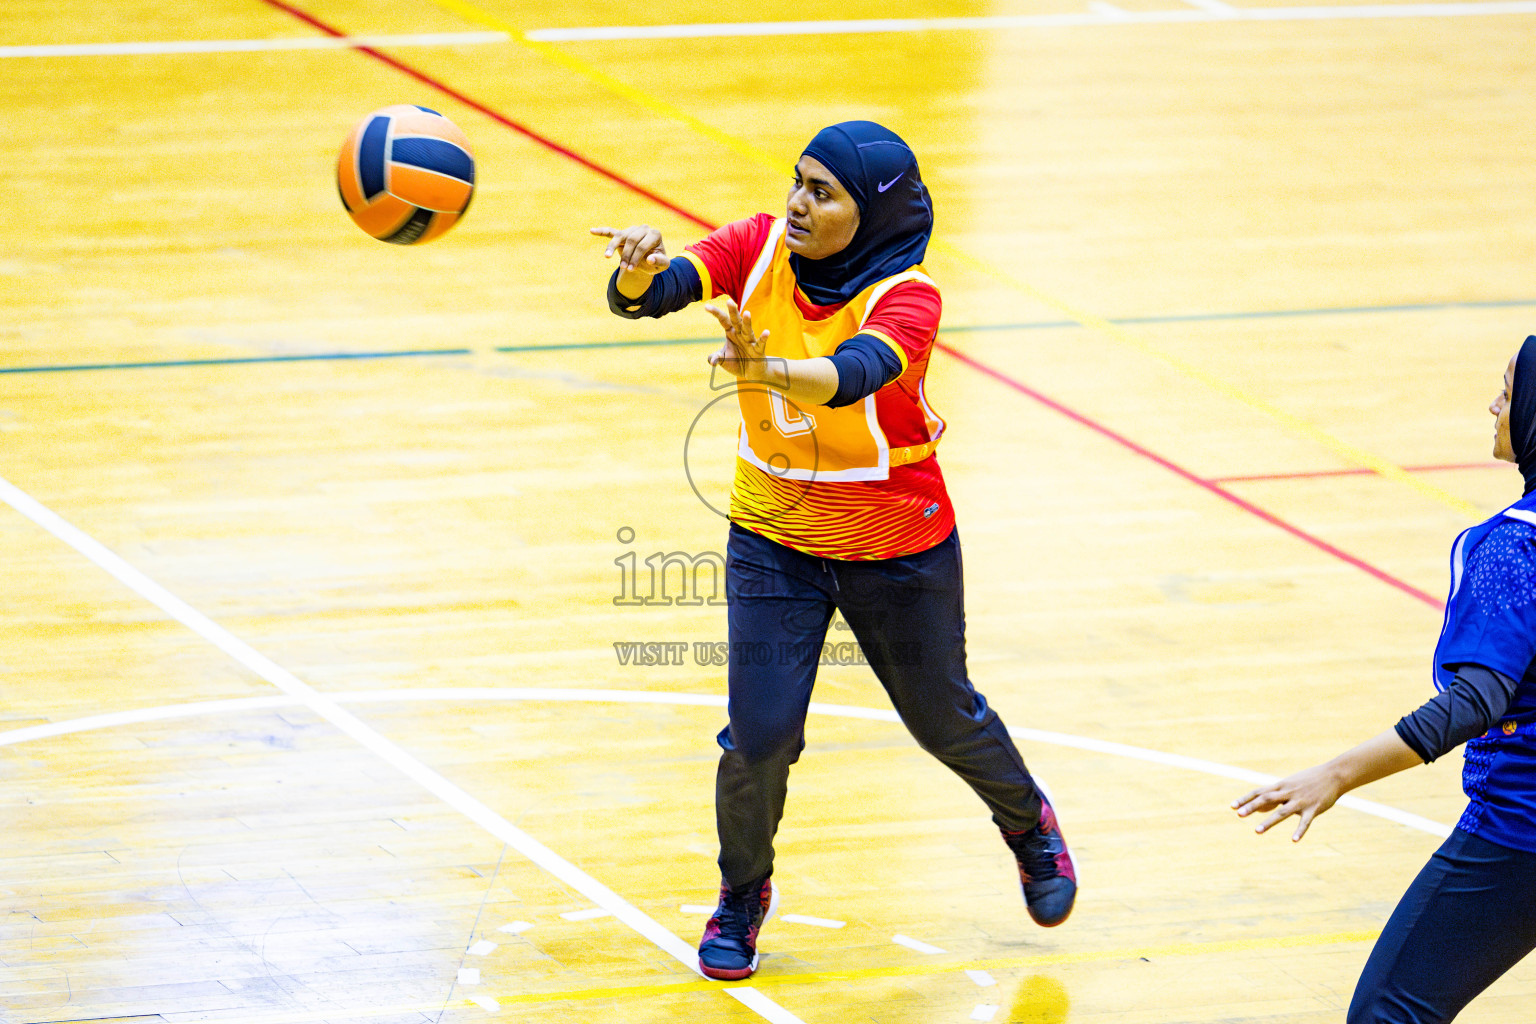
1306,794
1311,792
743,350
639,248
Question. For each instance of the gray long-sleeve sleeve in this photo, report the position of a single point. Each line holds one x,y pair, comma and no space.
1469,707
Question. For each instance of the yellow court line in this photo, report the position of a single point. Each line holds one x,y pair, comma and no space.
1349,453
917,970
914,970
639,97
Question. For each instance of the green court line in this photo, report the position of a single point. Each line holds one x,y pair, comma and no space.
1037,325
1046,325
237,360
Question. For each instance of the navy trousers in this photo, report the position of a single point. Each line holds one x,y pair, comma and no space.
908,617
1468,917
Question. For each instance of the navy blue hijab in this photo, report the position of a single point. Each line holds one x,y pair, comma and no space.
1522,412
895,215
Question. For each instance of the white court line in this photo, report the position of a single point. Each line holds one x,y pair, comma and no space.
1184,15
819,922
395,756
448,695
113,719
761,1005
917,945
1227,771
249,45
590,914
1217,7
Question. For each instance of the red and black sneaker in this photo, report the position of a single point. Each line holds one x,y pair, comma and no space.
728,951
1045,868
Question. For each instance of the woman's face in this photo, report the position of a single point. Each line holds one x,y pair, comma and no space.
1502,447
822,216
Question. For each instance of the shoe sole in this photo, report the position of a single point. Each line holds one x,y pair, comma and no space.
1059,921
726,974
738,973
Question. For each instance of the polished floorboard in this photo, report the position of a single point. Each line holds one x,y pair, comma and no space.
316,703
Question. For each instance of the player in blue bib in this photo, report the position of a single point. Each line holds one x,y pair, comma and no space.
1470,915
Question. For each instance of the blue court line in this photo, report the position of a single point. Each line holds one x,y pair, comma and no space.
233,360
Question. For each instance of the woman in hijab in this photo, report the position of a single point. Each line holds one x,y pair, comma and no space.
838,504
1469,916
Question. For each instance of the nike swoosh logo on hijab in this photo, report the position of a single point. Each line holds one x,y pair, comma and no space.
893,230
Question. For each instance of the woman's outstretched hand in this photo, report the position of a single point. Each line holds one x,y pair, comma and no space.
1306,794
1310,792
639,248
743,351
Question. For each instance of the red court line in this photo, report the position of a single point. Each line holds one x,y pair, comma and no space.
1209,485
499,118
1357,471
1023,389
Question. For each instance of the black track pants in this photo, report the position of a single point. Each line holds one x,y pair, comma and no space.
907,615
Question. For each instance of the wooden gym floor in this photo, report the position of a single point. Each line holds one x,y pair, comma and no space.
311,707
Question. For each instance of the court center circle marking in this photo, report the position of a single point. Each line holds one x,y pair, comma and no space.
556,695
386,749
329,708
